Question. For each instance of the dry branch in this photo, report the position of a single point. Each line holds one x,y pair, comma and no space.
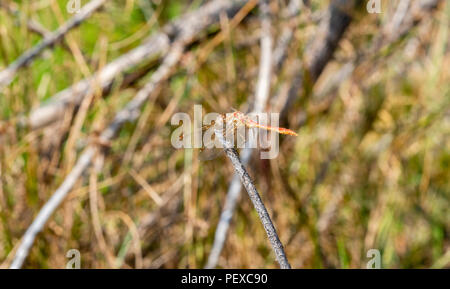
271,232
155,45
130,113
268,59
7,75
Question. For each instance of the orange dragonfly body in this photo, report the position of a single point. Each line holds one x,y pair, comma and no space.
249,123
237,120
232,123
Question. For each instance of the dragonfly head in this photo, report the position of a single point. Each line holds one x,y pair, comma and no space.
238,115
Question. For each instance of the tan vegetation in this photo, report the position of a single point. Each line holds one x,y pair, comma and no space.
89,117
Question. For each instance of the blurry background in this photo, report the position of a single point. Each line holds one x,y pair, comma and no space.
368,94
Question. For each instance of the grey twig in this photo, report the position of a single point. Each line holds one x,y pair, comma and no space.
240,170
260,208
153,46
268,60
7,75
265,61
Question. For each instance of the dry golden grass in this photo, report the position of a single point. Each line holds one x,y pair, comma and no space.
369,169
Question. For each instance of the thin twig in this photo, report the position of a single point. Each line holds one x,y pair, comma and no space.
7,75
265,61
268,59
240,170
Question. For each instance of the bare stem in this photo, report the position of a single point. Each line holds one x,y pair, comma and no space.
240,170
270,58
260,208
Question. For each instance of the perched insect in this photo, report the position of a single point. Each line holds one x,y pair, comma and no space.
234,124
243,119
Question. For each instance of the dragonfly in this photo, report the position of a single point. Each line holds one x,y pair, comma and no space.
233,124
242,119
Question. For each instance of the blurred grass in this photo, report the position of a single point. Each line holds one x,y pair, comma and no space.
387,183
